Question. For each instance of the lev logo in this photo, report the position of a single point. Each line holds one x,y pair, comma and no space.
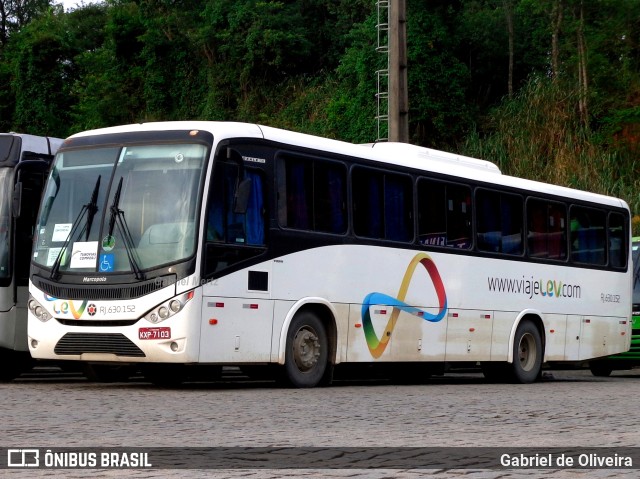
67,307
378,345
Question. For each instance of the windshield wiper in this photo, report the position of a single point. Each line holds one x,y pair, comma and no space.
117,218
90,209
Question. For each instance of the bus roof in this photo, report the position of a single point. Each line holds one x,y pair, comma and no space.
401,154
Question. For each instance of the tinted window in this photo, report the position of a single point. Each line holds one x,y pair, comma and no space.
444,214
312,195
617,240
499,222
588,236
546,229
382,205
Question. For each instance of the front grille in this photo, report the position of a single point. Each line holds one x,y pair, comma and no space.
111,343
102,291
98,322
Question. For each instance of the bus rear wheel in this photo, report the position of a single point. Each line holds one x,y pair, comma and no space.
307,351
527,353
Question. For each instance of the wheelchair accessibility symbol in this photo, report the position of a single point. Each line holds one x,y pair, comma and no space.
106,263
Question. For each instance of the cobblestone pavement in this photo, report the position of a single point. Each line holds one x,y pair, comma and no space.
571,409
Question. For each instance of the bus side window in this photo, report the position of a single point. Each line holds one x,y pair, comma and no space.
499,222
617,243
546,229
226,226
587,235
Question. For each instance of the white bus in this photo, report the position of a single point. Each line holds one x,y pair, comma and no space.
177,244
24,164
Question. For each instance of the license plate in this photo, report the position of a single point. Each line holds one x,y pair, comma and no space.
154,333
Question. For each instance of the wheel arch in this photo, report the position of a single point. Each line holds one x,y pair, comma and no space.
536,318
325,312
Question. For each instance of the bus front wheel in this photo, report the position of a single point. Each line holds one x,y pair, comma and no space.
307,349
527,353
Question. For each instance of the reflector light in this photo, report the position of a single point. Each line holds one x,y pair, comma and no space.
213,322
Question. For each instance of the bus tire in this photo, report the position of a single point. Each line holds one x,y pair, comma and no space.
527,353
307,351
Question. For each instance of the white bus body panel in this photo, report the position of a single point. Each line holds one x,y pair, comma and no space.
237,325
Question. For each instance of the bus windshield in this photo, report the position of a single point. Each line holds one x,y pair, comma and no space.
120,209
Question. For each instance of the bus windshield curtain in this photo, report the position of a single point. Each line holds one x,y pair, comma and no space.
254,216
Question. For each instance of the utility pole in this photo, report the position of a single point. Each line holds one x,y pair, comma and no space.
398,91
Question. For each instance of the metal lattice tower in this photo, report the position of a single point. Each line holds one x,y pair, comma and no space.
382,76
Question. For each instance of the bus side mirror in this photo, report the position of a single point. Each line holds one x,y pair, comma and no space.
241,196
16,201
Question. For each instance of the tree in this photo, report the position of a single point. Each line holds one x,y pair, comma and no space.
38,76
14,14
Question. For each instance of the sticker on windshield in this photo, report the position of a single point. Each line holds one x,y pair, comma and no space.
52,255
61,231
108,243
106,263
84,254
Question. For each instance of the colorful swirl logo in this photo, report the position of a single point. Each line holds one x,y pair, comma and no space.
66,307
378,345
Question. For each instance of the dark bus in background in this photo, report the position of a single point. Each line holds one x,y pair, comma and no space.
24,164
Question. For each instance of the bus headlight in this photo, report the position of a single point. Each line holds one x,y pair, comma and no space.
168,308
37,310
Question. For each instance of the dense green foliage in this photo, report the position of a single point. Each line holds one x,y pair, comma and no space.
571,116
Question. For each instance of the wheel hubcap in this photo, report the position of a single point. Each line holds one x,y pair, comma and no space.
527,352
306,349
